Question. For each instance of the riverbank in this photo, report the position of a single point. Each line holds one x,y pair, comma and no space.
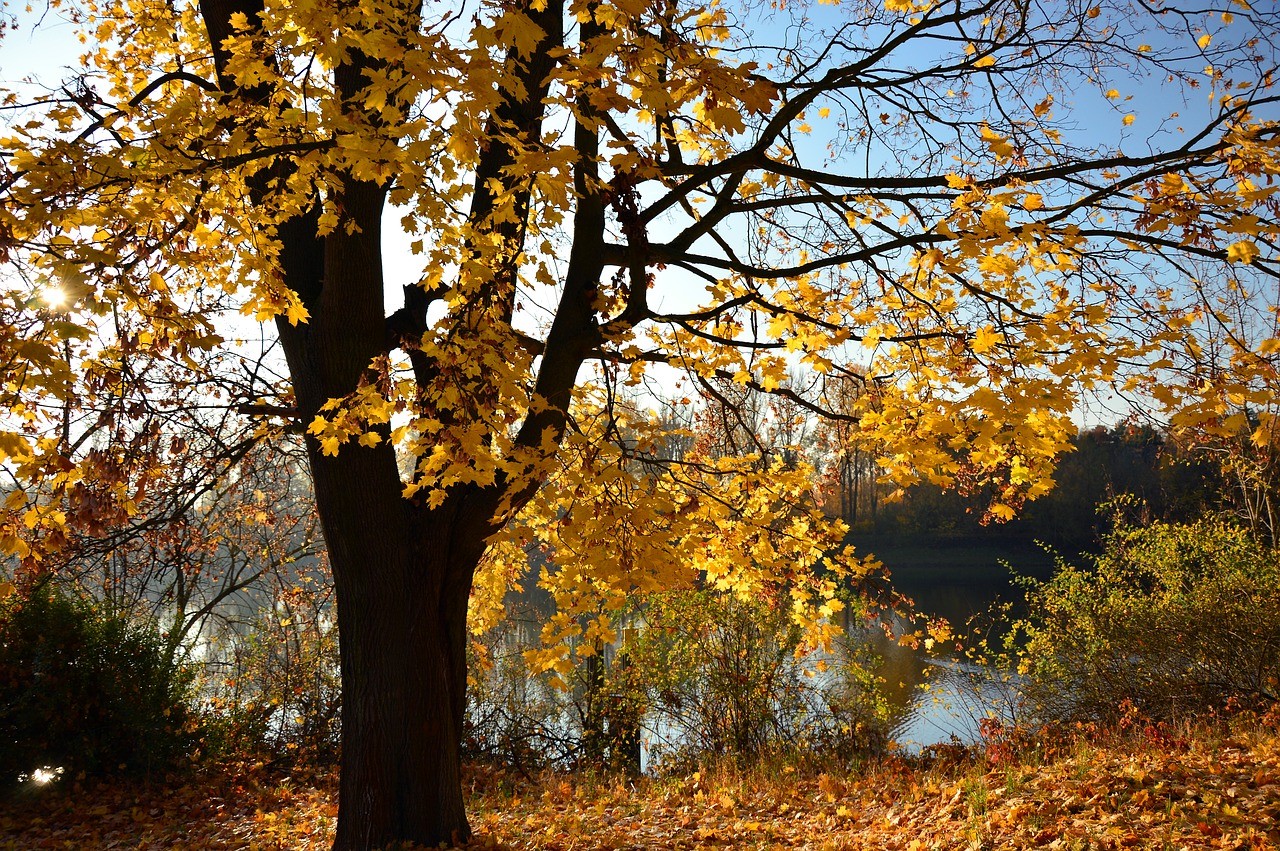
1211,788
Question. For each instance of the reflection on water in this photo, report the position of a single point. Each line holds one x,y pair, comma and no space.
937,700
933,698
937,697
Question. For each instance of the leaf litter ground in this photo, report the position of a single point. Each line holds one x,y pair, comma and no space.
1213,791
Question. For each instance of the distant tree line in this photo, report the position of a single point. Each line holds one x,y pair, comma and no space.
1166,480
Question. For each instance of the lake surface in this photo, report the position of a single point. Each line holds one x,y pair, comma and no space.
938,697
934,697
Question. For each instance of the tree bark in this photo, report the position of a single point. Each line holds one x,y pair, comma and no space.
403,654
402,573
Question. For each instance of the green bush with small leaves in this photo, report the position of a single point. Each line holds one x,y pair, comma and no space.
86,690
1170,620
728,676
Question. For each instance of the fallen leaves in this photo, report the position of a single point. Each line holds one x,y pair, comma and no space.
247,809
1216,793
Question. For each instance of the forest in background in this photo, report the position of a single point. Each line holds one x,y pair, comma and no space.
1158,478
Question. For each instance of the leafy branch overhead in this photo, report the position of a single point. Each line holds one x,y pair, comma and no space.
974,237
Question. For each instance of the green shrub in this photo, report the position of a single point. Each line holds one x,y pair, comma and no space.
1170,620
694,674
727,676
86,690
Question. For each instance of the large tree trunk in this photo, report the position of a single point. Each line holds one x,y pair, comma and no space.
400,767
402,573
401,620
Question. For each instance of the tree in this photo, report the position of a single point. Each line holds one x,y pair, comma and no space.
851,472
901,193
204,548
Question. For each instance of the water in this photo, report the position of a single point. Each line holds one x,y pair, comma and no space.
935,697
951,704
938,696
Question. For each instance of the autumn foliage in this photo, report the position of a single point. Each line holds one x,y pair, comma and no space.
1207,789
1170,621
948,218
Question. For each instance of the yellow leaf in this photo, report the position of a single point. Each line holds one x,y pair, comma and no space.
1112,94
1002,511
1128,119
13,446
296,313
1243,251
998,144
985,62
376,99
370,438
518,30
1033,201
7,588
14,546
985,340
1204,40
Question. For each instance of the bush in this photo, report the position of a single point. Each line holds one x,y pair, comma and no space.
86,690
514,716
1169,620
697,674
727,676
279,693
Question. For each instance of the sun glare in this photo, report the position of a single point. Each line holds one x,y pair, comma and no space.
54,296
42,776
